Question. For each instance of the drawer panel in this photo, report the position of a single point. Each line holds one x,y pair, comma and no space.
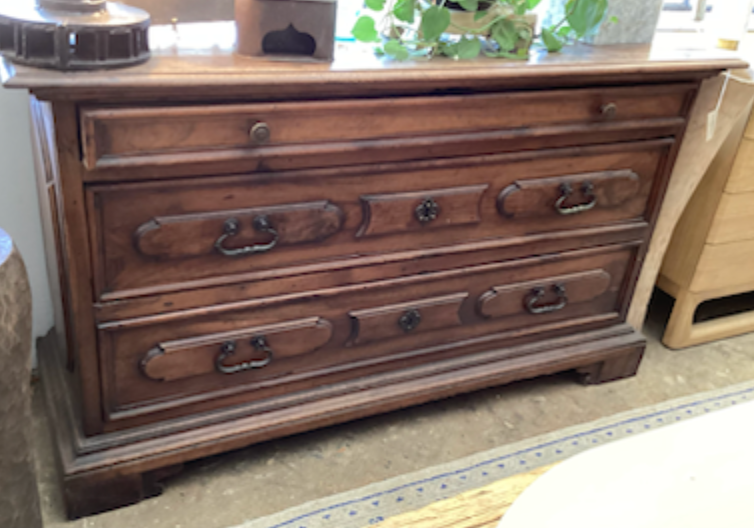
412,317
574,194
540,297
741,179
724,266
156,366
112,134
253,230
248,348
734,219
158,237
423,210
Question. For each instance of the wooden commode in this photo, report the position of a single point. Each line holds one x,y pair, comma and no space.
250,249
712,248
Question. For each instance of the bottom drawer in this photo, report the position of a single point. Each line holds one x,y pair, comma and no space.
291,346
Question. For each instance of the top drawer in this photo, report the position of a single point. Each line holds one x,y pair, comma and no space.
113,135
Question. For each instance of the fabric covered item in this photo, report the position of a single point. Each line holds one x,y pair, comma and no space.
19,500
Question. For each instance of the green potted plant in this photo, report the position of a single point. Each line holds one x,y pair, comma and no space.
464,29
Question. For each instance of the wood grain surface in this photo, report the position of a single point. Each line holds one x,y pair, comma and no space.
695,157
180,71
111,134
480,508
147,170
119,212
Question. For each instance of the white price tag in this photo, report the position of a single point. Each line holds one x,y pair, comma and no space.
712,124
712,116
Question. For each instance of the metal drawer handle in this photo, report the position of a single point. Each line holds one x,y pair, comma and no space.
229,348
537,294
260,133
410,320
566,191
427,211
233,226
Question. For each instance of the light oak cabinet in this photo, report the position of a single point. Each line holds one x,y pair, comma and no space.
711,253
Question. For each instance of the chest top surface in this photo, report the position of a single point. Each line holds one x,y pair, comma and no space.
199,59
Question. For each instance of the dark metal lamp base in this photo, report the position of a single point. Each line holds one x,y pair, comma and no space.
73,34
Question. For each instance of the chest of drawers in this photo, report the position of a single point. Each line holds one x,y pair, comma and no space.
247,249
708,255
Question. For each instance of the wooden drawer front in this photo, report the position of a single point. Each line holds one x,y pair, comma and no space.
240,349
244,232
386,322
568,195
724,266
156,365
113,134
423,210
152,238
741,179
544,296
734,219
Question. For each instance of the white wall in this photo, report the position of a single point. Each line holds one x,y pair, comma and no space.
19,205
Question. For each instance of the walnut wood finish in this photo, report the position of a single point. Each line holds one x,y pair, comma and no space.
215,296
377,306
540,197
118,212
423,315
414,242
180,72
348,154
185,358
191,235
510,299
111,134
421,210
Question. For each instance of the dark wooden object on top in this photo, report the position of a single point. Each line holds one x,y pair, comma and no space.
258,249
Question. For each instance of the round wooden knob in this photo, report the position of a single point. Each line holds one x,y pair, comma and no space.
260,133
609,110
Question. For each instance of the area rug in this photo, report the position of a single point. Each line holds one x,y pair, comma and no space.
370,505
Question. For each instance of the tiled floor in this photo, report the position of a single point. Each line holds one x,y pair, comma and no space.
226,490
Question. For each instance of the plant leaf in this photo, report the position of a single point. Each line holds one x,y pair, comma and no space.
404,11
585,16
564,31
505,54
435,21
479,15
551,41
375,5
364,30
469,48
449,49
505,34
469,5
395,49
531,4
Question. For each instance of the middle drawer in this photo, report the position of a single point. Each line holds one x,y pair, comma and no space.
166,236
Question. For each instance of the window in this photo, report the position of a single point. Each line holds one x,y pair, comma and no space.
684,15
